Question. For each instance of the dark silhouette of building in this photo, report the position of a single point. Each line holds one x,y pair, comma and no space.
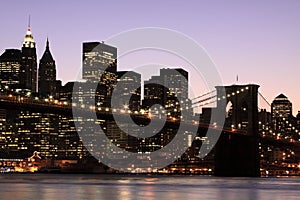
298,120
170,87
47,83
130,83
264,122
29,63
169,90
10,69
65,92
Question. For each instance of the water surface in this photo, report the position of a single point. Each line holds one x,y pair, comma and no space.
125,187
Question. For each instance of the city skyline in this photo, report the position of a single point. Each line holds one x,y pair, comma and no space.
258,38
51,121
150,99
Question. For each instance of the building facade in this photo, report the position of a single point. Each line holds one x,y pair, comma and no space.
47,85
10,69
97,58
281,111
29,63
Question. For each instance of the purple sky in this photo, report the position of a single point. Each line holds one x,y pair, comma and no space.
258,40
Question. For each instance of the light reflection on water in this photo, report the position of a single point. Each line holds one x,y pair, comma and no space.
121,187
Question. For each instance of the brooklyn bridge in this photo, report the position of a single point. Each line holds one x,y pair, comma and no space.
240,147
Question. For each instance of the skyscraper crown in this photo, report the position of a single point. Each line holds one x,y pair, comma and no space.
28,41
47,56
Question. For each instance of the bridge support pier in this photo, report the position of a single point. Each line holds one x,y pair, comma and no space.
237,156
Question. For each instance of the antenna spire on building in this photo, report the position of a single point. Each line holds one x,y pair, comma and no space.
47,43
29,23
29,41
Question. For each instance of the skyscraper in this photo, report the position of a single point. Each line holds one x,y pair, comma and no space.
168,88
10,68
97,58
47,74
29,62
281,112
99,65
130,82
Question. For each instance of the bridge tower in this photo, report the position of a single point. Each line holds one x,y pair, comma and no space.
237,151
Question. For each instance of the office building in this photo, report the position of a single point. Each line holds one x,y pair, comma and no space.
130,84
169,89
10,69
281,111
29,63
99,65
97,58
47,85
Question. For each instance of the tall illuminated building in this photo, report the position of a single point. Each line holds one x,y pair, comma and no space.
168,88
10,69
177,81
99,65
29,62
97,58
2,128
130,82
47,74
281,113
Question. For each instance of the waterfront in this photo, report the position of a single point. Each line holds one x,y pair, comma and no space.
125,187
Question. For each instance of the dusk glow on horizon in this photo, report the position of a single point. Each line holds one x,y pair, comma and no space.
256,40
